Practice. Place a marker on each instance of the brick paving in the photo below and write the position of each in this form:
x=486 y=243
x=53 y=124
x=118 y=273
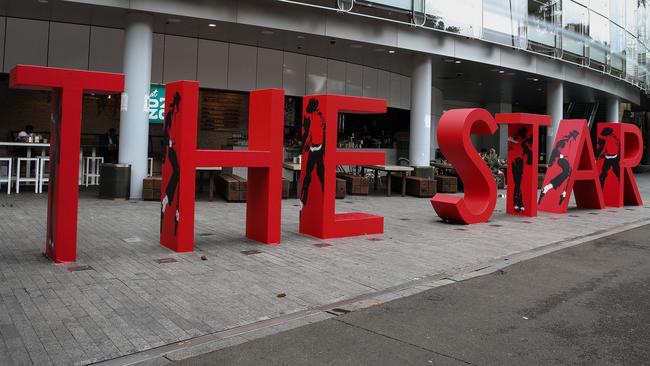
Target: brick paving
x=128 y=302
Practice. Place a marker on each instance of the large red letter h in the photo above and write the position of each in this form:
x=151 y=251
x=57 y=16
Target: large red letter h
x=264 y=160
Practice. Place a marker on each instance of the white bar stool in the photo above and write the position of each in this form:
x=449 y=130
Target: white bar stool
x=42 y=177
x=150 y=171
x=81 y=167
x=91 y=171
x=27 y=178
x=8 y=178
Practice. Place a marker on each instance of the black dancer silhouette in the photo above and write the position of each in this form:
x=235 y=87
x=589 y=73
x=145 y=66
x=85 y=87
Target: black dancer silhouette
x=608 y=150
x=559 y=155
x=55 y=157
x=169 y=152
x=313 y=138
x=519 y=146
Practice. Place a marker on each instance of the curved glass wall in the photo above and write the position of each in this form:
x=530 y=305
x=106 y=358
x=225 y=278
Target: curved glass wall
x=612 y=36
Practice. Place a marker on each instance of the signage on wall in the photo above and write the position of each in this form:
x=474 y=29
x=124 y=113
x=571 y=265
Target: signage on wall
x=156 y=104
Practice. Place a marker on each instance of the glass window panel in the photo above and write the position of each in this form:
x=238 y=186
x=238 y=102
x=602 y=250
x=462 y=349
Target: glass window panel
x=504 y=21
x=600 y=6
x=402 y=4
x=630 y=15
x=631 y=62
x=543 y=17
x=457 y=16
x=599 y=34
x=617 y=12
x=574 y=23
x=617 y=47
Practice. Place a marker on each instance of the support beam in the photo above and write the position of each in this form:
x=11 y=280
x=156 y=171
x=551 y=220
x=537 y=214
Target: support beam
x=134 y=118
x=555 y=109
x=613 y=109
x=420 y=135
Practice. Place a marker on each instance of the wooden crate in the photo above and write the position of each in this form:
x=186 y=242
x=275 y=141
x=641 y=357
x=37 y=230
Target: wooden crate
x=340 y=188
x=446 y=184
x=151 y=183
x=286 y=188
x=415 y=186
x=231 y=187
x=355 y=184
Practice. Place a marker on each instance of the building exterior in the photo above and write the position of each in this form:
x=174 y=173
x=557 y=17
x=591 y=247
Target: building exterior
x=567 y=58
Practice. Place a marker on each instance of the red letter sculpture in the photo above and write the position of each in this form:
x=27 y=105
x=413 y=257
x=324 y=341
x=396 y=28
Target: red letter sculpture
x=319 y=161
x=523 y=147
x=571 y=163
x=181 y=158
x=454 y=131
x=619 y=148
x=67 y=88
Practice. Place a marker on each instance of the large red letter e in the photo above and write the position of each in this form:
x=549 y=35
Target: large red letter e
x=454 y=131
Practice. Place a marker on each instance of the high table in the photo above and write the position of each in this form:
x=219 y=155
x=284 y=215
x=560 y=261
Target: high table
x=295 y=168
x=211 y=171
x=389 y=169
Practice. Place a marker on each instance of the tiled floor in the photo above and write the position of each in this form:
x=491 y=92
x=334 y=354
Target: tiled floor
x=129 y=302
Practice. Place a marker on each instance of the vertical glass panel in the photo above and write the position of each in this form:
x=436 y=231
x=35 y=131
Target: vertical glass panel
x=543 y=18
x=631 y=63
x=631 y=7
x=600 y=6
x=402 y=4
x=504 y=21
x=617 y=47
x=574 y=23
x=617 y=12
x=599 y=34
x=457 y=16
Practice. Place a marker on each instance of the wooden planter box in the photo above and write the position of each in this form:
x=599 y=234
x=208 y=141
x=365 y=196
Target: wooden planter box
x=355 y=184
x=446 y=184
x=231 y=187
x=151 y=188
x=340 y=188
x=415 y=186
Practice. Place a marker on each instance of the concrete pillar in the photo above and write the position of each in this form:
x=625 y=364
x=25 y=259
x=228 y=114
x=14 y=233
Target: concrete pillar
x=134 y=118
x=420 y=135
x=437 y=100
x=613 y=105
x=555 y=109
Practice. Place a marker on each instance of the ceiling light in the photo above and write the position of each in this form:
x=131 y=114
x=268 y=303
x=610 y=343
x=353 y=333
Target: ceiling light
x=379 y=50
x=300 y=37
x=535 y=79
x=511 y=74
x=494 y=70
x=212 y=25
x=109 y=96
x=267 y=32
x=458 y=61
x=356 y=45
x=501 y=72
x=43 y=1
x=391 y=51
x=173 y=20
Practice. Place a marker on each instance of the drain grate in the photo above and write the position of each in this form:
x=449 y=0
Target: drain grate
x=80 y=268
x=405 y=219
x=496 y=225
x=206 y=234
x=323 y=245
x=594 y=213
x=337 y=311
x=166 y=260
x=250 y=252
x=574 y=216
x=460 y=229
x=526 y=222
x=375 y=239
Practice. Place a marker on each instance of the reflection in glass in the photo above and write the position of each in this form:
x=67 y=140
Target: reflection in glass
x=543 y=18
x=457 y=16
x=504 y=21
x=599 y=33
x=574 y=23
x=617 y=48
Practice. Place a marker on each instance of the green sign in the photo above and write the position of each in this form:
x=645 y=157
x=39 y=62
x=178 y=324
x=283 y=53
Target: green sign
x=157 y=104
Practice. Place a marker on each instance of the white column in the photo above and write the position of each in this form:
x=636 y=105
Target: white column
x=613 y=105
x=134 y=118
x=420 y=135
x=437 y=100
x=555 y=109
x=500 y=141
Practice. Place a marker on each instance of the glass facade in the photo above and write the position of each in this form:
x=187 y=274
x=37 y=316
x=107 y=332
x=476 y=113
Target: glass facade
x=612 y=36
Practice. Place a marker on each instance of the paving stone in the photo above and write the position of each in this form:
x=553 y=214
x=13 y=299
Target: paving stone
x=128 y=302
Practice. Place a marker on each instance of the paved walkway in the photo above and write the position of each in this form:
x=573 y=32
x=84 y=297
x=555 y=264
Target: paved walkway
x=585 y=305
x=128 y=302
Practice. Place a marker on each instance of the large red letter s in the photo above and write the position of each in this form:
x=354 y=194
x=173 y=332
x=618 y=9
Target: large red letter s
x=454 y=131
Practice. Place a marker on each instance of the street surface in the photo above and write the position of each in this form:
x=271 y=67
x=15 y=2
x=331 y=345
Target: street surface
x=585 y=305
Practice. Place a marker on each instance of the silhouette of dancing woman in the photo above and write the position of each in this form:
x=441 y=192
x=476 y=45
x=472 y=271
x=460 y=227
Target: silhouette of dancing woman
x=519 y=146
x=313 y=138
x=169 y=152
x=559 y=155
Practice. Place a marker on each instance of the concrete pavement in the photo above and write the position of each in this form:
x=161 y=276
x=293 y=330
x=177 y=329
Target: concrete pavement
x=585 y=305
